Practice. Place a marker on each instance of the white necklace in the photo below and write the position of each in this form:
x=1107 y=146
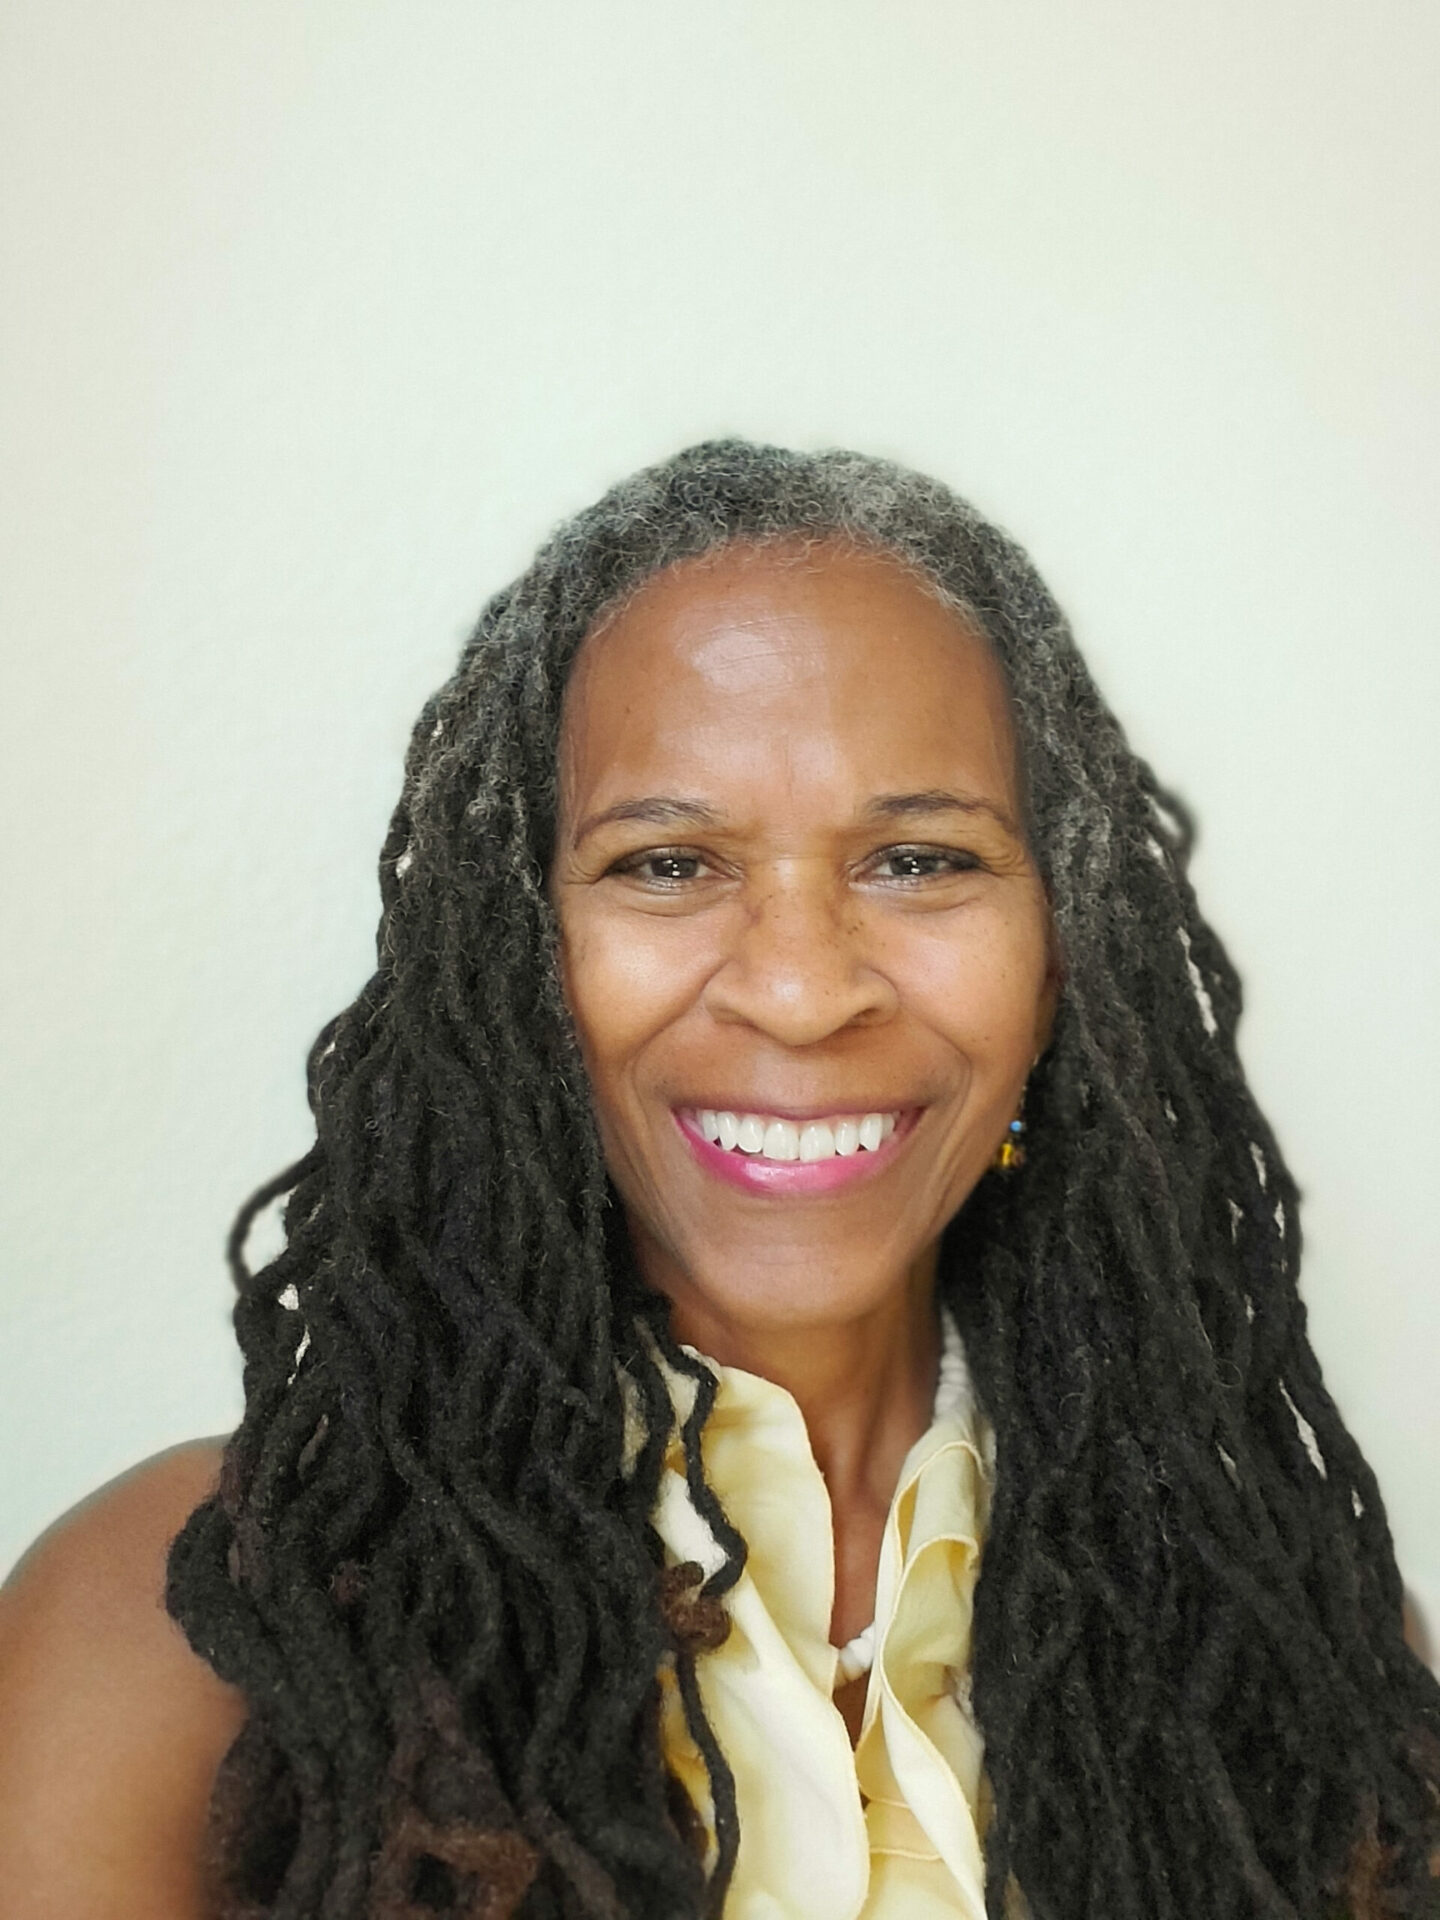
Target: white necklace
x=952 y=1394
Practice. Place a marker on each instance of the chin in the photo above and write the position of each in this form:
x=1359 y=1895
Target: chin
x=784 y=1298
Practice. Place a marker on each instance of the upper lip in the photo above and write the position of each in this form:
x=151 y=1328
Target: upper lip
x=780 y=1110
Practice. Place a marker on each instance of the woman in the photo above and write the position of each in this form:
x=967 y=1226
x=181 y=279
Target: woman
x=769 y=871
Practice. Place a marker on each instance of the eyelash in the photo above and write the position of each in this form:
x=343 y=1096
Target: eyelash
x=953 y=858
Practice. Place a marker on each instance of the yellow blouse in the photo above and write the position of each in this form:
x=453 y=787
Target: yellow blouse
x=891 y=1830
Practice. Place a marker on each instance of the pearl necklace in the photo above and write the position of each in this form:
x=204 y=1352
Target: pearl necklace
x=952 y=1394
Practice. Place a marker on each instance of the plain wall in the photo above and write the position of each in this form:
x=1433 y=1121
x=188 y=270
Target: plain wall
x=317 y=315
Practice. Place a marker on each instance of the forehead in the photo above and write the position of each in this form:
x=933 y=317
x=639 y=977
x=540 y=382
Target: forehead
x=813 y=668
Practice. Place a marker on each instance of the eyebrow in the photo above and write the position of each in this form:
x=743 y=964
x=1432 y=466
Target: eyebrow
x=904 y=806
x=671 y=810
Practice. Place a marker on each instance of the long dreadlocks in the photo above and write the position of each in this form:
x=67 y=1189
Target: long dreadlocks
x=430 y=1564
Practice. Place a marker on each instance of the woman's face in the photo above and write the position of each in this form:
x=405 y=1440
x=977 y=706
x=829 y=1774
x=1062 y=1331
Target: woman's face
x=793 y=893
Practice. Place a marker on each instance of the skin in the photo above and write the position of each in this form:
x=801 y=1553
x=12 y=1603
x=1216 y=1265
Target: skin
x=780 y=944
x=113 y=1729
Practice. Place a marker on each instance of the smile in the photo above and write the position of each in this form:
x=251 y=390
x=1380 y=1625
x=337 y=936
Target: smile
x=766 y=1153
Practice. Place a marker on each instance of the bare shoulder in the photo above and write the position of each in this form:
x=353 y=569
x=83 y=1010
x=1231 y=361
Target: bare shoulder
x=113 y=1727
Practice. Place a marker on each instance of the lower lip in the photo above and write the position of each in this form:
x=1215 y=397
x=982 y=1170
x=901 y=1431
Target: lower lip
x=755 y=1174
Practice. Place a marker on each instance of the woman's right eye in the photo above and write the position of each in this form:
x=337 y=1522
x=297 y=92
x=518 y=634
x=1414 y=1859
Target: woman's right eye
x=661 y=869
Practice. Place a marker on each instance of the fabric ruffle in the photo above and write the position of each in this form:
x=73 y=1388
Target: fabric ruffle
x=890 y=1831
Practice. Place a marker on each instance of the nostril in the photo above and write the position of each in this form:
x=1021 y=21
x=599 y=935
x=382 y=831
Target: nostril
x=798 y=1000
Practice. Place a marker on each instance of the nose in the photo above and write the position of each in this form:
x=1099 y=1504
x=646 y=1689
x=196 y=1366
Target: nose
x=796 y=965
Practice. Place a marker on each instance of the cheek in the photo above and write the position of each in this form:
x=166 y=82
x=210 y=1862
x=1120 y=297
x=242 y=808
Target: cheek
x=981 y=983
x=622 y=984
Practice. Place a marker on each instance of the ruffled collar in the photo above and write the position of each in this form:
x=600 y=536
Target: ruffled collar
x=891 y=1830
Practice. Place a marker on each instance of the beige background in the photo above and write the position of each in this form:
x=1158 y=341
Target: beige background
x=316 y=315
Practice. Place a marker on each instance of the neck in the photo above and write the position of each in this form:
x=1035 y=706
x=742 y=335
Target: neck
x=865 y=1386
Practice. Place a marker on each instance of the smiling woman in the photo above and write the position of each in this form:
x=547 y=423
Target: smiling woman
x=787 y=968
x=668 y=1325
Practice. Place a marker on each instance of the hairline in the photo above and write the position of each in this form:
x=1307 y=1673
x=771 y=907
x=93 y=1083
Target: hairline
x=795 y=546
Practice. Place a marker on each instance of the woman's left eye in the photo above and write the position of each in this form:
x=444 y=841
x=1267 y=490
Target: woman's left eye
x=925 y=863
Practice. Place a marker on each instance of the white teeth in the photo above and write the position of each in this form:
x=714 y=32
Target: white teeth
x=758 y=1133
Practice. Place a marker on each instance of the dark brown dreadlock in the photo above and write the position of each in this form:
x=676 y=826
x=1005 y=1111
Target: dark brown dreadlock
x=430 y=1564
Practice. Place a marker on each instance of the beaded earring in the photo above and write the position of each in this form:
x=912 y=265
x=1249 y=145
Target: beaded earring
x=1010 y=1154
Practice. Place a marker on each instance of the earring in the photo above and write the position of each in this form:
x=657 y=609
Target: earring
x=1010 y=1154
